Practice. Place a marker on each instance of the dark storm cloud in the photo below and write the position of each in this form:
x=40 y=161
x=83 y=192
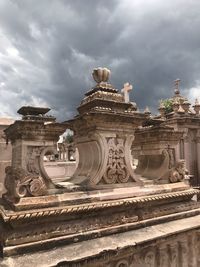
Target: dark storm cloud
x=49 y=48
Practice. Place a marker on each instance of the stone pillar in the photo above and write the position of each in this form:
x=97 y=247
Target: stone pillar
x=32 y=138
x=187 y=150
x=181 y=148
x=174 y=254
x=192 y=250
x=103 y=133
x=183 y=246
x=163 y=256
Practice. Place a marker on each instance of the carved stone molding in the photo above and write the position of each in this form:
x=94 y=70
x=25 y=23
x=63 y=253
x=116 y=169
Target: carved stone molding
x=116 y=170
x=175 y=251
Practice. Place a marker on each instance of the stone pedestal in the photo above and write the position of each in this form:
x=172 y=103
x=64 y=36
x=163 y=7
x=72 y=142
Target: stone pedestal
x=32 y=138
x=104 y=132
x=155 y=147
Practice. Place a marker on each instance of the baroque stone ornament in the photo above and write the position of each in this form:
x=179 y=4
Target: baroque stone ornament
x=122 y=263
x=19 y=183
x=178 y=173
x=101 y=75
x=32 y=137
x=116 y=171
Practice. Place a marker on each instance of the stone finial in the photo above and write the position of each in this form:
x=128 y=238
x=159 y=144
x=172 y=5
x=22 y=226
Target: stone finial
x=186 y=106
x=162 y=109
x=177 y=87
x=147 y=111
x=196 y=106
x=101 y=75
x=175 y=106
x=127 y=88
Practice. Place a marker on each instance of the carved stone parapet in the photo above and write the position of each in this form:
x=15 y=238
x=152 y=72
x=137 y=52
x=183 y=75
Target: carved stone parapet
x=31 y=140
x=104 y=159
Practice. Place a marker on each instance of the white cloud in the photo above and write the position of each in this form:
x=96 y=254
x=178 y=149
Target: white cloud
x=194 y=93
x=48 y=50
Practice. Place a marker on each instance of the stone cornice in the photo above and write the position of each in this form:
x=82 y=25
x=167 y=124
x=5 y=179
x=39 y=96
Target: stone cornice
x=88 y=207
x=31 y=130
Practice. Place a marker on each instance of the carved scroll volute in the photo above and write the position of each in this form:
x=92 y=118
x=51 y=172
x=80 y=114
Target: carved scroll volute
x=128 y=158
x=178 y=173
x=104 y=159
x=122 y=263
x=32 y=180
x=92 y=160
x=19 y=183
x=47 y=179
x=35 y=162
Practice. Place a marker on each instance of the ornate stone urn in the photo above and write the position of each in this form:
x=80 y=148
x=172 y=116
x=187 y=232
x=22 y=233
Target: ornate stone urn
x=104 y=131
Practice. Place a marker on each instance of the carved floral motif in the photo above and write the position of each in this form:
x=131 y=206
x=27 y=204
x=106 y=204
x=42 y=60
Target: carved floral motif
x=116 y=171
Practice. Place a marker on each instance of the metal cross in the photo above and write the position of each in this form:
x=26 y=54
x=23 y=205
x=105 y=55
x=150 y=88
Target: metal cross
x=127 y=88
x=176 y=85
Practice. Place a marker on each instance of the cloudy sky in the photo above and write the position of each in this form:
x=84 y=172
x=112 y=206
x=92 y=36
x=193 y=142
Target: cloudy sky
x=48 y=49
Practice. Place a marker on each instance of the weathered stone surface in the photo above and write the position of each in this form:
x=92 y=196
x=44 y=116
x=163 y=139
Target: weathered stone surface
x=31 y=138
x=104 y=147
x=184 y=119
x=107 y=214
x=169 y=244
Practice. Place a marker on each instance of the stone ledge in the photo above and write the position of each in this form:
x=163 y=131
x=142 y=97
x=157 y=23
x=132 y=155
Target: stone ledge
x=109 y=244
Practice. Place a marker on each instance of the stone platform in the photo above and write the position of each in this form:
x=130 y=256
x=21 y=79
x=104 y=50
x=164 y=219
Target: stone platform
x=169 y=243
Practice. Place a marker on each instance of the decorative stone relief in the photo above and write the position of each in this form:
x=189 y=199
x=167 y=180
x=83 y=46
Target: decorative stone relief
x=19 y=183
x=122 y=263
x=116 y=171
x=181 y=250
x=177 y=174
x=150 y=259
x=32 y=159
x=171 y=154
x=31 y=180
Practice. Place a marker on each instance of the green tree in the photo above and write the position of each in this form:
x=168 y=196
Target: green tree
x=167 y=103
